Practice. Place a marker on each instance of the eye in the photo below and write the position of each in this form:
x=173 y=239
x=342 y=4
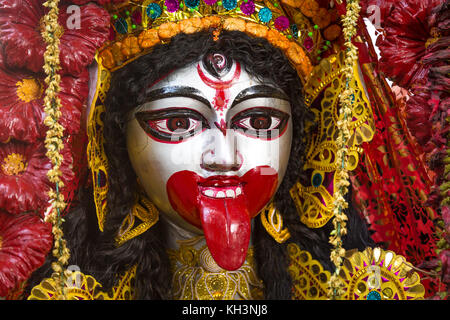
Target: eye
x=172 y=125
x=263 y=123
x=259 y=122
x=175 y=125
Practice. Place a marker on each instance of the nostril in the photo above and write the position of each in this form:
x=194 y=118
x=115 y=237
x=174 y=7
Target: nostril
x=219 y=167
x=211 y=163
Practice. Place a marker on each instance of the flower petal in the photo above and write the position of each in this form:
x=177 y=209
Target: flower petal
x=406 y=34
x=19 y=33
x=26 y=241
x=78 y=45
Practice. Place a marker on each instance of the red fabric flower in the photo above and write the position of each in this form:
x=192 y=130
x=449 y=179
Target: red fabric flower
x=21 y=104
x=20 y=34
x=406 y=37
x=24 y=184
x=377 y=10
x=24 y=242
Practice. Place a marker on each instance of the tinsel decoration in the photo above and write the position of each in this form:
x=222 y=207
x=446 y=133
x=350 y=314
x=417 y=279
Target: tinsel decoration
x=336 y=285
x=54 y=140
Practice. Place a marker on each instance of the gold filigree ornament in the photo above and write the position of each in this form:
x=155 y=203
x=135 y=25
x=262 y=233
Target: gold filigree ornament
x=314 y=199
x=196 y=276
x=79 y=286
x=310 y=281
x=272 y=221
x=142 y=217
x=376 y=274
x=97 y=160
x=76 y=287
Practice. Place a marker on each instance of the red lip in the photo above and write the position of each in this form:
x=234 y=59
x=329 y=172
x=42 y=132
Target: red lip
x=220 y=181
x=225 y=220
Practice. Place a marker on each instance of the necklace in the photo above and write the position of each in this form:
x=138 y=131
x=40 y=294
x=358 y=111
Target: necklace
x=196 y=276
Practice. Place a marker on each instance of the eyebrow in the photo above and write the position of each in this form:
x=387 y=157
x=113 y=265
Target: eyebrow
x=259 y=91
x=177 y=91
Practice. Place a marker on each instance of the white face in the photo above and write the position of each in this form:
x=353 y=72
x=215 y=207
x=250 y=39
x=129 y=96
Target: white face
x=210 y=147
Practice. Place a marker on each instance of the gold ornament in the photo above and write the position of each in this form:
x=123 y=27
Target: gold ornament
x=314 y=201
x=79 y=286
x=142 y=217
x=375 y=274
x=97 y=160
x=310 y=281
x=368 y=275
x=272 y=221
x=196 y=276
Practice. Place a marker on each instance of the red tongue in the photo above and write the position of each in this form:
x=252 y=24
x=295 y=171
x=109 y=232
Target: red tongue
x=226 y=225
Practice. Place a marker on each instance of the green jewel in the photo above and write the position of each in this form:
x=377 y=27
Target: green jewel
x=316 y=27
x=310 y=34
x=115 y=16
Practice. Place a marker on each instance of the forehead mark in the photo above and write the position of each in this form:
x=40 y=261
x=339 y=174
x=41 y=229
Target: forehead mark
x=221 y=98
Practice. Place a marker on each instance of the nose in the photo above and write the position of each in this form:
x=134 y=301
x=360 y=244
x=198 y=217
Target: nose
x=222 y=155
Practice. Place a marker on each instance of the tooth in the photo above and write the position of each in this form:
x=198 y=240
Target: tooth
x=220 y=194
x=238 y=191
x=230 y=193
x=209 y=193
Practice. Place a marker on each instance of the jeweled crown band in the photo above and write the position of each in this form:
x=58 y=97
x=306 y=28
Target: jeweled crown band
x=119 y=53
x=302 y=29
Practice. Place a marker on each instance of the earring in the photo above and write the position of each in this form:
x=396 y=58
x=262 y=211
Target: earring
x=273 y=223
x=143 y=216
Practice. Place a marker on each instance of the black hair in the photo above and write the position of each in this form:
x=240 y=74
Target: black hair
x=97 y=254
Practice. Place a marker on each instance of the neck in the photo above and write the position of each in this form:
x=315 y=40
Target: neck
x=197 y=276
x=176 y=236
